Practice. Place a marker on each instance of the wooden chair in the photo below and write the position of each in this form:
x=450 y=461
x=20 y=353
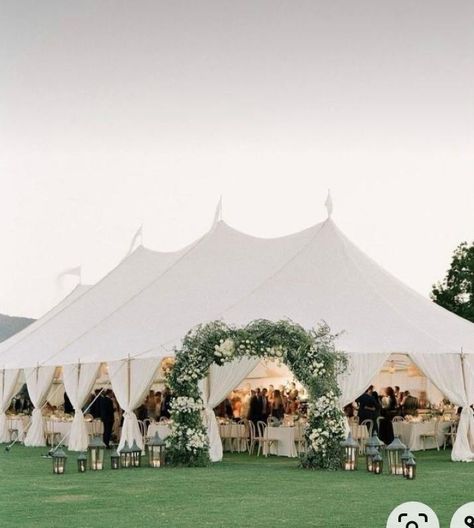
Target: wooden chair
x=450 y=434
x=252 y=436
x=13 y=432
x=300 y=440
x=53 y=437
x=264 y=442
x=143 y=429
x=431 y=434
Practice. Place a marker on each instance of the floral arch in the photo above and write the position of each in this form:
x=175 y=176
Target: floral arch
x=311 y=356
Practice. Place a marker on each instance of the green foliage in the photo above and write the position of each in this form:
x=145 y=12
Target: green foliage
x=456 y=291
x=312 y=357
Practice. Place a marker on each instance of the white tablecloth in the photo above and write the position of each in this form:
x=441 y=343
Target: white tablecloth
x=233 y=436
x=20 y=423
x=163 y=429
x=284 y=444
x=409 y=433
x=64 y=428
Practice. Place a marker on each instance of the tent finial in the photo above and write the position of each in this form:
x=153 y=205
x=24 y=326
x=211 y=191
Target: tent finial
x=218 y=213
x=328 y=203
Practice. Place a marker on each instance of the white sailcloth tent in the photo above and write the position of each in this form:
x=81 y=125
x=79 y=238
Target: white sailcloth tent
x=316 y=274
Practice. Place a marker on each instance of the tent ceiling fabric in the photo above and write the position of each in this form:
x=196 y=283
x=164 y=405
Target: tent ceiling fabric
x=146 y=304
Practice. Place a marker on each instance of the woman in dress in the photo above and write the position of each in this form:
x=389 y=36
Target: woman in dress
x=278 y=407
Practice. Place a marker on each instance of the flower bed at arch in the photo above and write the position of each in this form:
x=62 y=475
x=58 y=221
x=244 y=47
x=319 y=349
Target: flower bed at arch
x=311 y=356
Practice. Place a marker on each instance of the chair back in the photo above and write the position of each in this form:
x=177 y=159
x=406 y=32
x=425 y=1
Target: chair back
x=143 y=428
x=369 y=424
x=251 y=427
x=262 y=429
x=398 y=419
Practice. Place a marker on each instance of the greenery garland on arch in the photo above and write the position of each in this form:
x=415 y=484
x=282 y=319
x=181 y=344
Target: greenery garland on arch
x=311 y=356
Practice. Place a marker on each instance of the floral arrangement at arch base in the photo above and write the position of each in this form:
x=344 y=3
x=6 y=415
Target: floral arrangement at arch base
x=310 y=354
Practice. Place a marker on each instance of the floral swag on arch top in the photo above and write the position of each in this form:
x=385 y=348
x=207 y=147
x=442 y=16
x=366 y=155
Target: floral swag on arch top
x=311 y=356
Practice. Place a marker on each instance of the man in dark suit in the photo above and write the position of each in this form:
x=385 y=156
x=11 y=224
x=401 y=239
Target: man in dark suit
x=254 y=408
x=94 y=408
x=265 y=405
x=367 y=406
x=107 y=415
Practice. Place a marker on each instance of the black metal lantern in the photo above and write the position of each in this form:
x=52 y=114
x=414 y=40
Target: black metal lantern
x=407 y=454
x=351 y=451
x=59 y=462
x=377 y=464
x=410 y=469
x=81 y=462
x=395 y=451
x=114 y=460
x=126 y=456
x=136 y=455
x=370 y=453
x=156 y=451
x=96 y=454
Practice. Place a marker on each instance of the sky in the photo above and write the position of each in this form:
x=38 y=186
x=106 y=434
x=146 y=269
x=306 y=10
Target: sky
x=118 y=113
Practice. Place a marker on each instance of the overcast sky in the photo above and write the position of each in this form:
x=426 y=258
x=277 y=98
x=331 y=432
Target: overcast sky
x=115 y=113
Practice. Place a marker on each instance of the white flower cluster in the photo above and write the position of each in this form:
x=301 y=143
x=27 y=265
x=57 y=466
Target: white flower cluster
x=190 y=374
x=317 y=368
x=277 y=351
x=225 y=349
x=183 y=404
x=324 y=405
x=247 y=347
x=195 y=439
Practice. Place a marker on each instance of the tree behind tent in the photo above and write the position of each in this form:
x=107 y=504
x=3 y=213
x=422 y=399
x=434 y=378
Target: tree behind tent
x=456 y=291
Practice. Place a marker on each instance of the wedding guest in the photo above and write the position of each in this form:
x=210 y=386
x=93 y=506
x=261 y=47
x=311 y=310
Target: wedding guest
x=158 y=400
x=107 y=416
x=409 y=404
x=367 y=405
x=245 y=399
x=150 y=404
x=389 y=403
x=398 y=395
x=423 y=402
x=349 y=410
x=271 y=390
x=265 y=405
x=236 y=407
x=254 y=408
x=94 y=407
x=389 y=409
x=277 y=408
x=165 y=403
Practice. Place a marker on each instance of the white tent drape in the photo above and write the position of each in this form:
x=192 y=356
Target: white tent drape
x=38 y=381
x=361 y=368
x=79 y=381
x=8 y=381
x=446 y=372
x=131 y=379
x=220 y=382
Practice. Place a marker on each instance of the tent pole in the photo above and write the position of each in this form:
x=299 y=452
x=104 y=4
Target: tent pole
x=128 y=380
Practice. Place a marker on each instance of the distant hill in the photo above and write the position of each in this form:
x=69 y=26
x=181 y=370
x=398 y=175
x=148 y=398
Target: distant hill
x=11 y=325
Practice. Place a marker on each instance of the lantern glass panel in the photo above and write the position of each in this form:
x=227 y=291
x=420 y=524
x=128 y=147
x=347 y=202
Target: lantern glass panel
x=377 y=465
x=59 y=462
x=81 y=463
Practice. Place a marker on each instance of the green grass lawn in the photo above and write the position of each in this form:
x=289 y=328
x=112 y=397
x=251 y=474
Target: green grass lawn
x=242 y=491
